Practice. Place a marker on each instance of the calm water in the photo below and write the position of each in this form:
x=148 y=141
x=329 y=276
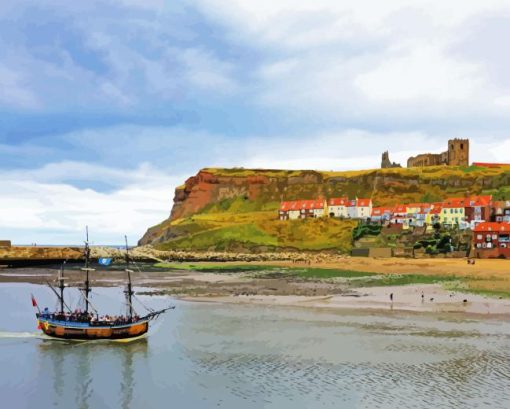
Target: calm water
x=207 y=356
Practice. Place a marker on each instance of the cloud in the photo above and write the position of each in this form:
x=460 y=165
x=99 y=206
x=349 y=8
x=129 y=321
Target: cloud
x=424 y=73
x=367 y=60
x=35 y=200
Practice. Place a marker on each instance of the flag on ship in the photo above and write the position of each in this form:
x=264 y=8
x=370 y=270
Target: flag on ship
x=34 y=302
x=105 y=261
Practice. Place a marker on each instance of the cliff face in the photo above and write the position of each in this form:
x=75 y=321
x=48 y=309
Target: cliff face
x=230 y=193
x=207 y=188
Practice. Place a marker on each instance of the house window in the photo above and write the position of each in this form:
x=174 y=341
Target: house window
x=479 y=237
x=489 y=245
x=478 y=245
x=494 y=237
x=488 y=237
x=503 y=245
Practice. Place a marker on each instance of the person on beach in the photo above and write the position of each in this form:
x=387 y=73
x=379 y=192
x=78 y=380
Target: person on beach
x=391 y=297
x=422 y=297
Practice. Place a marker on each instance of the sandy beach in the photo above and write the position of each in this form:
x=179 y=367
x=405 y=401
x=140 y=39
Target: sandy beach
x=280 y=288
x=405 y=298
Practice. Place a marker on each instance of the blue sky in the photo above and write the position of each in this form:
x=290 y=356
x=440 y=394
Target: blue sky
x=106 y=106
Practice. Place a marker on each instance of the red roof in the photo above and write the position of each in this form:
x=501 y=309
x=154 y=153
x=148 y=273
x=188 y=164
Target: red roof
x=364 y=202
x=479 y=201
x=338 y=201
x=436 y=210
x=490 y=165
x=470 y=201
x=302 y=204
x=491 y=226
x=378 y=211
x=400 y=209
x=454 y=202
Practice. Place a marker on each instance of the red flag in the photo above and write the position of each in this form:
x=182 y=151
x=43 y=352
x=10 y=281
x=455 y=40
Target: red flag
x=34 y=302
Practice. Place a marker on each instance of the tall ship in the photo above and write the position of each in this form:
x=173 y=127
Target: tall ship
x=89 y=324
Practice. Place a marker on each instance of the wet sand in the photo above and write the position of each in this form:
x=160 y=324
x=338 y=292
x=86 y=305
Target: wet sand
x=248 y=288
x=405 y=298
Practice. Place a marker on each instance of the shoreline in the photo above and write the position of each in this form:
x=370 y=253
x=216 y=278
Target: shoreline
x=406 y=298
x=445 y=283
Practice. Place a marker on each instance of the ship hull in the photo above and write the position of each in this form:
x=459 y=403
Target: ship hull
x=85 y=331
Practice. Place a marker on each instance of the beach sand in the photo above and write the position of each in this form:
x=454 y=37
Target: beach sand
x=239 y=287
x=405 y=298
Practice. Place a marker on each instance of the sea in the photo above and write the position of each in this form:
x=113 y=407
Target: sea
x=208 y=355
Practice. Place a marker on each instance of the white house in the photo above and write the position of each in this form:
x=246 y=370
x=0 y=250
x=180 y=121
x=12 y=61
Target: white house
x=363 y=208
x=337 y=207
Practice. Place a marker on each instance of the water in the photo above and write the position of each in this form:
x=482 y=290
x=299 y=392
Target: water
x=206 y=356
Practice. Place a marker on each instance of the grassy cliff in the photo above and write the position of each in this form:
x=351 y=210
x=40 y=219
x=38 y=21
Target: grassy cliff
x=236 y=209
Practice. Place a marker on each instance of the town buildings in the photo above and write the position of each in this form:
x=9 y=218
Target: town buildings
x=341 y=207
x=337 y=207
x=302 y=209
x=502 y=211
x=363 y=209
x=381 y=214
x=492 y=240
x=489 y=220
x=457 y=212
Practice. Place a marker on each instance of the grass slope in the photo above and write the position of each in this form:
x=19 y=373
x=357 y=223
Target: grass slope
x=237 y=223
x=252 y=230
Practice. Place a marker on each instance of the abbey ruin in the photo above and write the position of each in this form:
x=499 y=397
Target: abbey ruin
x=456 y=155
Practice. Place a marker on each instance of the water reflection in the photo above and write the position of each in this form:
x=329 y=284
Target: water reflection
x=204 y=356
x=82 y=372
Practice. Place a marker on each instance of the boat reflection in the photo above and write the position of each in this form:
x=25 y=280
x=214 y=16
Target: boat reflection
x=81 y=371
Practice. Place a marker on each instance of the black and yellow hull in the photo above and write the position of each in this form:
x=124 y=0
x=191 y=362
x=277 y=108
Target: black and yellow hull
x=85 y=331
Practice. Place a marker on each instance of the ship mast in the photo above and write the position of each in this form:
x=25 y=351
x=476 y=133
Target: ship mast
x=62 y=286
x=87 y=270
x=129 y=291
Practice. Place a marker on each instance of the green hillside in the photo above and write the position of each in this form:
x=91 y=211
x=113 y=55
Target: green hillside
x=237 y=209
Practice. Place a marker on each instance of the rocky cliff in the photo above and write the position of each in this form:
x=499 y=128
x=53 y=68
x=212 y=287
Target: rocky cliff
x=234 y=204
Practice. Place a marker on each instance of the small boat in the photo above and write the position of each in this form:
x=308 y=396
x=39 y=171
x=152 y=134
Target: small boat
x=88 y=324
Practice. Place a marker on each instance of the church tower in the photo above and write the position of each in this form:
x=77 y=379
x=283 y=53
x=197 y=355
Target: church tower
x=458 y=152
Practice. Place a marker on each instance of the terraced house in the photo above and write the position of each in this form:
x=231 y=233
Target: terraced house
x=302 y=209
x=501 y=211
x=340 y=207
x=381 y=214
x=492 y=240
x=452 y=213
x=337 y=207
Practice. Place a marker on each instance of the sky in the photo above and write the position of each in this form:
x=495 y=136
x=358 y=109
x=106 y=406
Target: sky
x=106 y=106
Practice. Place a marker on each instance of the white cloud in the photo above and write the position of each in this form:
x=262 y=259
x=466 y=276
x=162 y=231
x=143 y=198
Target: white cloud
x=423 y=73
x=345 y=60
x=35 y=200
